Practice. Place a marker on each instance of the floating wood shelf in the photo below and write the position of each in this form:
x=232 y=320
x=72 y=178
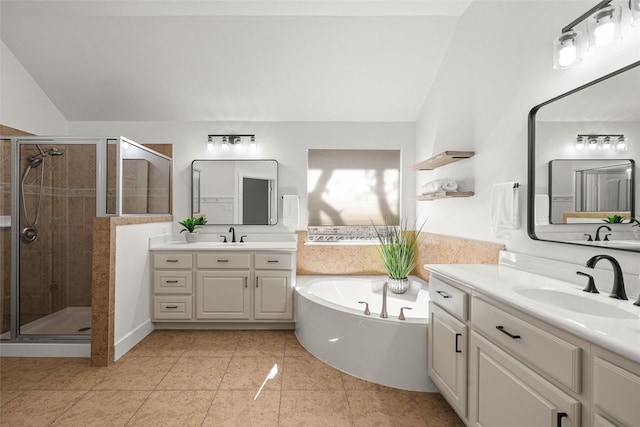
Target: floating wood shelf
x=442 y=159
x=443 y=195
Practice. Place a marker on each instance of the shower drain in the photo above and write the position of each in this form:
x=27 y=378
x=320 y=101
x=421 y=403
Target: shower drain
x=86 y=328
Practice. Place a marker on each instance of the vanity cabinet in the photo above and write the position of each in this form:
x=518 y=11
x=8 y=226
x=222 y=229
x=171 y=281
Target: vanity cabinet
x=218 y=286
x=447 y=342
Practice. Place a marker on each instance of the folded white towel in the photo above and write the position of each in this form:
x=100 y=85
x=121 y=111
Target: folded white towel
x=541 y=207
x=438 y=185
x=505 y=216
x=290 y=209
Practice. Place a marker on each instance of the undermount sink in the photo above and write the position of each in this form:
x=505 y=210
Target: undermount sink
x=576 y=303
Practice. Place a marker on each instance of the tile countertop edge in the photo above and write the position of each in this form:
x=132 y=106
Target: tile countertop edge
x=492 y=280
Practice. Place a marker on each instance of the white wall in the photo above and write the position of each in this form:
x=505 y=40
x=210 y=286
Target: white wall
x=133 y=282
x=23 y=105
x=285 y=142
x=498 y=66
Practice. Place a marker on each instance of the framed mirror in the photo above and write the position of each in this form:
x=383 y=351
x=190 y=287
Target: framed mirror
x=235 y=192
x=584 y=148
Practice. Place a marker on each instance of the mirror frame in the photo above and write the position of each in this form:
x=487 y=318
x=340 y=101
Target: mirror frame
x=531 y=163
x=275 y=196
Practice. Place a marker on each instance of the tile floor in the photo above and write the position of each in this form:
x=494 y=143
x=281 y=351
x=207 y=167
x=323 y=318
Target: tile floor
x=207 y=378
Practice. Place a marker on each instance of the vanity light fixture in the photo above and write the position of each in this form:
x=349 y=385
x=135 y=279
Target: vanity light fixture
x=236 y=142
x=601 y=142
x=603 y=29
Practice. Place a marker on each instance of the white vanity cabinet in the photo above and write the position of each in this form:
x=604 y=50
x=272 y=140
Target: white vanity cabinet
x=447 y=342
x=223 y=286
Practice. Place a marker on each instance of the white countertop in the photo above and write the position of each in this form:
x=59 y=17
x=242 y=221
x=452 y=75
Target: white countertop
x=212 y=242
x=502 y=283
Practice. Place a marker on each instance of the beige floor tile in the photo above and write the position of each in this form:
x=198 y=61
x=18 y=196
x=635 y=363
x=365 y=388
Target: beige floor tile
x=309 y=373
x=174 y=408
x=8 y=395
x=248 y=373
x=38 y=407
x=435 y=409
x=24 y=373
x=384 y=408
x=138 y=373
x=353 y=383
x=293 y=348
x=164 y=343
x=76 y=374
x=195 y=373
x=238 y=408
x=103 y=408
x=214 y=344
x=261 y=343
x=314 y=408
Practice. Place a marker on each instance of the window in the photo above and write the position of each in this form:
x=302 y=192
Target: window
x=348 y=191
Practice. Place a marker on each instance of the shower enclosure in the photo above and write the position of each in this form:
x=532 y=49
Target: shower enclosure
x=57 y=186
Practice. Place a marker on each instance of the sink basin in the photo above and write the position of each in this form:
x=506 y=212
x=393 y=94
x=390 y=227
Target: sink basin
x=576 y=303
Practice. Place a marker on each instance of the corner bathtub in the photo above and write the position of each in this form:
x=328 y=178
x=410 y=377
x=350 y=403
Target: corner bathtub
x=332 y=326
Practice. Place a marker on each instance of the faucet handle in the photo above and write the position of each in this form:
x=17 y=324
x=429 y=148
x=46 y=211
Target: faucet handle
x=242 y=238
x=401 y=316
x=591 y=285
x=366 y=307
x=589 y=237
x=225 y=238
x=606 y=237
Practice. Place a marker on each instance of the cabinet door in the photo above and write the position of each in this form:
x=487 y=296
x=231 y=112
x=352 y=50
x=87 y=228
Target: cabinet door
x=222 y=295
x=507 y=393
x=273 y=298
x=447 y=360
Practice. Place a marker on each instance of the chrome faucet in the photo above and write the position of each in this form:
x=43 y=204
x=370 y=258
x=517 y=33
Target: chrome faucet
x=233 y=234
x=618 y=280
x=606 y=237
x=383 y=312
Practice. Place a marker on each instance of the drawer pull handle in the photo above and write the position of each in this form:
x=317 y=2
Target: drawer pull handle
x=561 y=415
x=504 y=331
x=257 y=278
x=245 y=283
x=172 y=260
x=444 y=294
x=172 y=281
x=171 y=306
x=457 y=349
x=273 y=260
x=223 y=260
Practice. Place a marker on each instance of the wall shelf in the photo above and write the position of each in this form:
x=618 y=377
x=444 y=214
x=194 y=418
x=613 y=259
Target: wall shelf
x=443 y=195
x=442 y=159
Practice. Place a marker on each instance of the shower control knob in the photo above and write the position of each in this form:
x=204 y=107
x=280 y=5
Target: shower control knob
x=29 y=234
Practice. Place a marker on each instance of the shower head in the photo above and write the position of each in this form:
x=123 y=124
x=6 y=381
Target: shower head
x=54 y=152
x=35 y=161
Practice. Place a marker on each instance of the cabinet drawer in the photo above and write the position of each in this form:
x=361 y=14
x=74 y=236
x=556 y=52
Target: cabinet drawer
x=172 y=308
x=451 y=299
x=172 y=282
x=223 y=260
x=556 y=357
x=172 y=260
x=611 y=384
x=273 y=261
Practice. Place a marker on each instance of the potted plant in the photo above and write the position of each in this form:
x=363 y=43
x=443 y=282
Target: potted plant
x=615 y=219
x=190 y=225
x=398 y=251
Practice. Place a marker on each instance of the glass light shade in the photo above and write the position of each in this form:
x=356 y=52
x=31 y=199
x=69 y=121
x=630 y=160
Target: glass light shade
x=634 y=5
x=210 y=144
x=593 y=144
x=606 y=143
x=579 y=143
x=603 y=27
x=253 y=146
x=237 y=143
x=567 y=50
x=621 y=145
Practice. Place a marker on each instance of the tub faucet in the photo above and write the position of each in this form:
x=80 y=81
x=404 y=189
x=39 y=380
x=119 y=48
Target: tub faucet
x=606 y=237
x=618 y=280
x=383 y=312
x=233 y=234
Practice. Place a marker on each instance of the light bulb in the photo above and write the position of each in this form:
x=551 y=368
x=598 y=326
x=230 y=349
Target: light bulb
x=604 y=34
x=252 y=144
x=604 y=26
x=593 y=144
x=566 y=50
x=567 y=55
x=606 y=143
x=622 y=144
x=580 y=143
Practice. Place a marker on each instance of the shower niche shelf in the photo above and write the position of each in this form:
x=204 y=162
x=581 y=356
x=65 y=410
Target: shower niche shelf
x=442 y=159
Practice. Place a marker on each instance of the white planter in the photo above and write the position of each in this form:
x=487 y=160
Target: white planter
x=191 y=237
x=398 y=286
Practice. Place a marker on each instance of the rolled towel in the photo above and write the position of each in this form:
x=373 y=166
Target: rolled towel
x=438 y=185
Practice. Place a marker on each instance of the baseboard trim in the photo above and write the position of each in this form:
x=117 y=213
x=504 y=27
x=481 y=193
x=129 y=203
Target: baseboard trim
x=20 y=349
x=131 y=339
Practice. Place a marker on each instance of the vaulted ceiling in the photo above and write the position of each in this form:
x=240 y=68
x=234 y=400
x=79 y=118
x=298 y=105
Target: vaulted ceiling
x=204 y=60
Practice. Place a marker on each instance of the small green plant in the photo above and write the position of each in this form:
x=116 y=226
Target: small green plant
x=635 y=222
x=398 y=248
x=190 y=224
x=615 y=219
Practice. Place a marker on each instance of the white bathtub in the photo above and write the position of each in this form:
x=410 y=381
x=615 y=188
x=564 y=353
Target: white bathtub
x=331 y=325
